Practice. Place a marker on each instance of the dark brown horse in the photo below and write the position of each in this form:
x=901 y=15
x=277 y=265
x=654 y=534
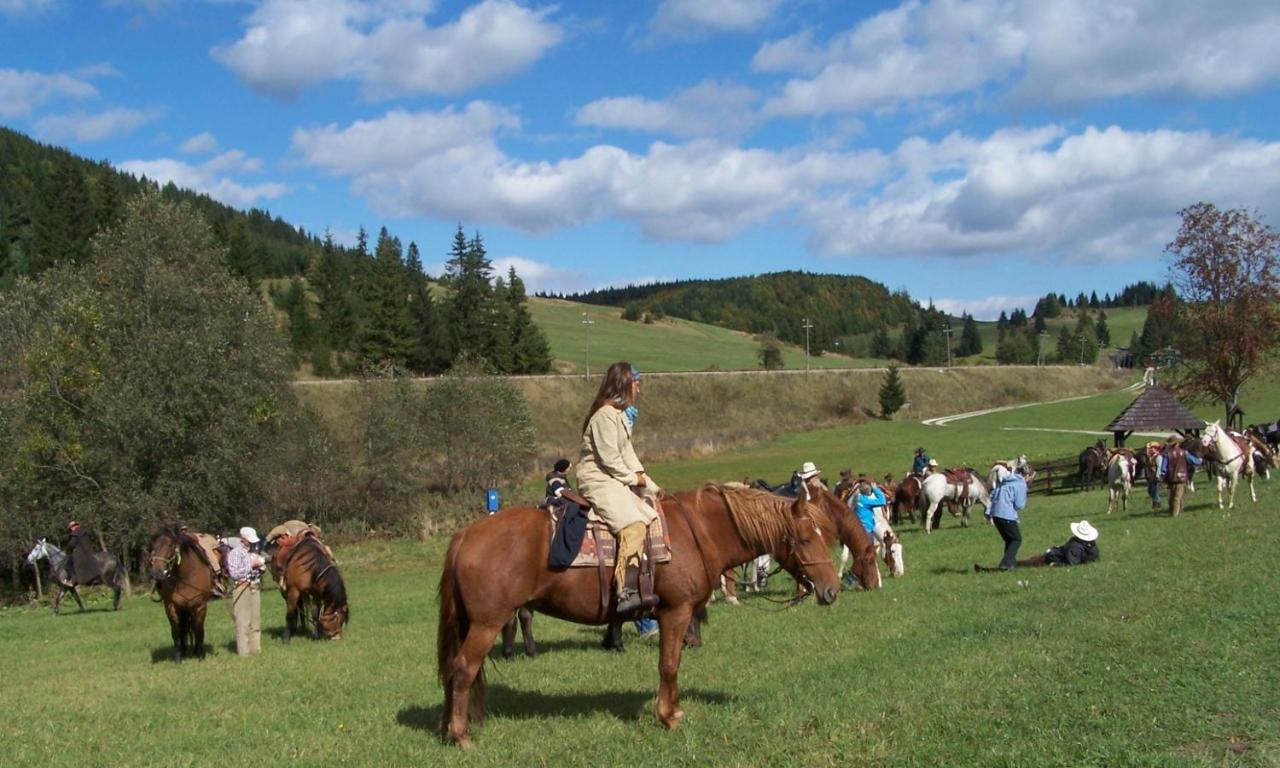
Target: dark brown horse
x=1093 y=464
x=499 y=563
x=906 y=499
x=183 y=576
x=311 y=578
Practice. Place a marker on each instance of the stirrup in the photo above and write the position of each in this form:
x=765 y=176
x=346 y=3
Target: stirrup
x=628 y=600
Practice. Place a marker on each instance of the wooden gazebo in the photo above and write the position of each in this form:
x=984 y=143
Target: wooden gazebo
x=1155 y=409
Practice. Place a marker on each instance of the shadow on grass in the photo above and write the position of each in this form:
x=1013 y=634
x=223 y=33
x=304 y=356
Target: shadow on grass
x=939 y=570
x=518 y=704
x=165 y=653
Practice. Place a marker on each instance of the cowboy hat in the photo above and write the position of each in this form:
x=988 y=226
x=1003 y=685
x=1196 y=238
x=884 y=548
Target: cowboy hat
x=1083 y=531
x=248 y=534
x=933 y=462
x=73 y=525
x=919 y=450
x=808 y=470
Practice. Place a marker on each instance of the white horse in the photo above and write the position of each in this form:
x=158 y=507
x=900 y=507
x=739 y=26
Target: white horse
x=936 y=488
x=1119 y=481
x=888 y=547
x=1230 y=461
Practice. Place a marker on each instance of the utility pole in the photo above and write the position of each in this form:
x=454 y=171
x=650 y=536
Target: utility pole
x=587 y=323
x=1082 y=349
x=807 y=326
x=1040 y=349
x=946 y=329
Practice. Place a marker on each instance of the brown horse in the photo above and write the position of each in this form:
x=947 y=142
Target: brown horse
x=311 y=577
x=498 y=563
x=184 y=578
x=906 y=499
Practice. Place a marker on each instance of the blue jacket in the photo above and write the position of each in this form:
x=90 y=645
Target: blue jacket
x=864 y=506
x=1009 y=498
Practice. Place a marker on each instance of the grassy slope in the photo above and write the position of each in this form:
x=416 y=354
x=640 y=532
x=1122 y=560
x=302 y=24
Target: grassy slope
x=1163 y=654
x=1121 y=322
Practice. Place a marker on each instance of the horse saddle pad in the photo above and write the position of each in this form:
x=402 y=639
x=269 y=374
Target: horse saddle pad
x=657 y=544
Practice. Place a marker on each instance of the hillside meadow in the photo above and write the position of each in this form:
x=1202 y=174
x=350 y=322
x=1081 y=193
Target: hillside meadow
x=1162 y=654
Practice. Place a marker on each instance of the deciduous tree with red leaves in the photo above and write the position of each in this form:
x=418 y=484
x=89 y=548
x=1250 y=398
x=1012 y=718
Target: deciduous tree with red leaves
x=1226 y=267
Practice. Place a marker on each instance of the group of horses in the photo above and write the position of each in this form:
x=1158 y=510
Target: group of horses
x=187 y=575
x=1226 y=457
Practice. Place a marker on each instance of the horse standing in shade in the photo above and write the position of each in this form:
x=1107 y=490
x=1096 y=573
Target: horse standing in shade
x=939 y=487
x=1230 y=461
x=1119 y=480
x=184 y=577
x=499 y=563
x=107 y=572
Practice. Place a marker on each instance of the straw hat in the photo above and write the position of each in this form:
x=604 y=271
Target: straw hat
x=1083 y=531
x=808 y=470
x=248 y=534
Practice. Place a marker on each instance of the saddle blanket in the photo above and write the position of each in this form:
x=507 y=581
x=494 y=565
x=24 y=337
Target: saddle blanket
x=658 y=543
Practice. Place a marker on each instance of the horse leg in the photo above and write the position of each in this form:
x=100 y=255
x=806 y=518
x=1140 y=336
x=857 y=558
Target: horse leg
x=291 y=613
x=57 y=600
x=313 y=610
x=509 y=637
x=672 y=624
x=730 y=581
x=844 y=562
x=197 y=629
x=928 y=514
x=76 y=594
x=175 y=630
x=526 y=631
x=613 y=637
x=463 y=670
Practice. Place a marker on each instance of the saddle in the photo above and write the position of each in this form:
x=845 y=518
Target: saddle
x=961 y=478
x=599 y=547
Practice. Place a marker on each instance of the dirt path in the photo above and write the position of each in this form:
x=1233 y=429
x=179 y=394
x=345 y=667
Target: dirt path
x=942 y=421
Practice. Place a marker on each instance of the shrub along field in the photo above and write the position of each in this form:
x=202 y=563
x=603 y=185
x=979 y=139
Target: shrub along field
x=1162 y=654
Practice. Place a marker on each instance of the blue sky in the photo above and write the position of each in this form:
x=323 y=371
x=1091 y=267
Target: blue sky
x=977 y=154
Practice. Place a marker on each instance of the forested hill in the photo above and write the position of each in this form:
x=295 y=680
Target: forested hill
x=778 y=303
x=52 y=202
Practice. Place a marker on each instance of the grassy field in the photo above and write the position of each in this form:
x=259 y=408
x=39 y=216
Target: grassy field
x=1163 y=654
x=671 y=344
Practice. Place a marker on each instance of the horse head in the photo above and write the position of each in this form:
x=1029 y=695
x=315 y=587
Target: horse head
x=804 y=553
x=852 y=535
x=41 y=549
x=164 y=554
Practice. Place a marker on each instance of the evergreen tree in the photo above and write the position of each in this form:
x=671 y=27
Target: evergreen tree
x=531 y=352
x=1066 y=340
x=970 y=340
x=1101 y=330
x=331 y=281
x=471 y=315
x=387 y=335
x=770 y=353
x=1014 y=350
x=500 y=354
x=1093 y=300
x=880 y=344
x=430 y=352
x=893 y=395
x=1002 y=325
x=302 y=329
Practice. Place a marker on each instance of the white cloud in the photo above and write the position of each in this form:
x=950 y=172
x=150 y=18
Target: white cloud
x=987 y=307
x=211 y=177
x=200 y=144
x=81 y=126
x=449 y=165
x=1098 y=195
x=22 y=91
x=707 y=109
x=1035 y=51
x=692 y=19
x=538 y=276
x=387 y=46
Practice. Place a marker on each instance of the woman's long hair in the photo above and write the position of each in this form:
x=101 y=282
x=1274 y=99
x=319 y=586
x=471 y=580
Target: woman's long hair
x=614 y=390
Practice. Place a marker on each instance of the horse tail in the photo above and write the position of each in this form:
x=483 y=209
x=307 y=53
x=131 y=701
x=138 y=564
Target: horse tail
x=454 y=621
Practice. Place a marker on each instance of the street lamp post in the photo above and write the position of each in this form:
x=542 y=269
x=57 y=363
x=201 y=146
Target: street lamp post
x=946 y=329
x=587 y=323
x=807 y=325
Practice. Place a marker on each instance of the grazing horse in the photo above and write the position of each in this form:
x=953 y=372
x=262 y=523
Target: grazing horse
x=856 y=542
x=938 y=487
x=1093 y=464
x=310 y=577
x=184 y=577
x=499 y=563
x=107 y=568
x=1230 y=461
x=1119 y=480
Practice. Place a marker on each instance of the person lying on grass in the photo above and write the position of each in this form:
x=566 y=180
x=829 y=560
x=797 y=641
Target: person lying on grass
x=1081 y=548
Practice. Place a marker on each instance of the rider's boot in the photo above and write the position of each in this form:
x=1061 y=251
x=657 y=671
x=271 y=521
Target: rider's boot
x=629 y=595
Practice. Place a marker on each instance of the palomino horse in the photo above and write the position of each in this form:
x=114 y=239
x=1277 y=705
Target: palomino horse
x=938 y=487
x=184 y=578
x=108 y=571
x=1119 y=480
x=1230 y=461
x=1093 y=464
x=499 y=563
x=310 y=576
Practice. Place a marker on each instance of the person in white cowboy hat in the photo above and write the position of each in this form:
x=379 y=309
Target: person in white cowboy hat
x=1081 y=548
x=245 y=568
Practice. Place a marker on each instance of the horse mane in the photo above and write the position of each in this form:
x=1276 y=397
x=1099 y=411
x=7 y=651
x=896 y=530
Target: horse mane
x=332 y=590
x=762 y=519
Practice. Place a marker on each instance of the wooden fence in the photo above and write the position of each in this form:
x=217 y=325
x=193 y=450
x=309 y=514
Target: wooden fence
x=1054 y=475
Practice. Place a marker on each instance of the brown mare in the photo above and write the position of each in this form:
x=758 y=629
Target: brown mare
x=499 y=563
x=905 y=499
x=311 y=577
x=183 y=576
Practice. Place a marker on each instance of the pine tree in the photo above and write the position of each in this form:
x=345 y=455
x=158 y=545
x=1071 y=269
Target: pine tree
x=500 y=352
x=1101 y=330
x=387 y=335
x=970 y=340
x=429 y=352
x=531 y=351
x=331 y=281
x=893 y=395
x=880 y=344
x=471 y=310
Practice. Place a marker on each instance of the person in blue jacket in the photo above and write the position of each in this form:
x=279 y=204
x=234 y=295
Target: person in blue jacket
x=1007 y=500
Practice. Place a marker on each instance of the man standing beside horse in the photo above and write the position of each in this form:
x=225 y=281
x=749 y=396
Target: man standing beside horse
x=1176 y=473
x=245 y=568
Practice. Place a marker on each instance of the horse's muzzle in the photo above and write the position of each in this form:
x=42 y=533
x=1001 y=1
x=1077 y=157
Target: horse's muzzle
x=828 y=595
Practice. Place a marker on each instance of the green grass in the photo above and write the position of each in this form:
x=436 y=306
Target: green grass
x=1163 y=654
x=1121 y=322
x=670 y=344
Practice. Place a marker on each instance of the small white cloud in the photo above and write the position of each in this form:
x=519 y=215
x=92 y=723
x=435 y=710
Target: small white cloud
x=694 y=19
x=709 y=108
x=538 y=276
x=387 y=46
x=200 y=144
x=210 y=177
x=20 y=8
x=96 y=127
x=22 y=91
x=986 y=308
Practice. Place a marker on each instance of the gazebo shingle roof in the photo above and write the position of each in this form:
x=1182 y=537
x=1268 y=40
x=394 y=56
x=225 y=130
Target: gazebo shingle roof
x=1155 y=409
